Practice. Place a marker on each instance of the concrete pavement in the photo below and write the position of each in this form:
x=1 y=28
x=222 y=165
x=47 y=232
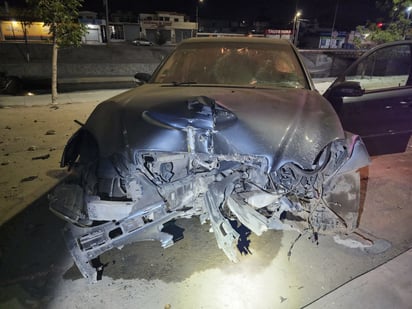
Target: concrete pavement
x=386 y=286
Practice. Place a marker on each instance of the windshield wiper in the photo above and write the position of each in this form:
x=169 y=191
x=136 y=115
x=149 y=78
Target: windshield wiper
x=184 y=83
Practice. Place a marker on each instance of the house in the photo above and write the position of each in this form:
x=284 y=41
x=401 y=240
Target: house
x=170 y=27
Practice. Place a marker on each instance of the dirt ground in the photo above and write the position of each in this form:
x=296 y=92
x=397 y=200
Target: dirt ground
x=36 y=271
x=31 y=143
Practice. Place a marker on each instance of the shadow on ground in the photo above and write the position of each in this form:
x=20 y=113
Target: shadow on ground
x=32 y=255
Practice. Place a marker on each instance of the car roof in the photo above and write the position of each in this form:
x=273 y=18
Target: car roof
x=241 y=40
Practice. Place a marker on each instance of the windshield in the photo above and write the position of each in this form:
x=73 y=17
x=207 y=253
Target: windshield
x=256 y=65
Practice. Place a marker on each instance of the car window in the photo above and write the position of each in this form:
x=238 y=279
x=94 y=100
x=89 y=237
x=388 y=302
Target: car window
x=256 y=66
x=386 y=68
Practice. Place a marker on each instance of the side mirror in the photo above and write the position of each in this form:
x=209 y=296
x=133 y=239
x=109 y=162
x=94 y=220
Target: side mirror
x=141 y=78
x=346 y=89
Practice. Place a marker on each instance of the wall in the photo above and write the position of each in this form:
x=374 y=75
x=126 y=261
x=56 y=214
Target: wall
x=86 y=61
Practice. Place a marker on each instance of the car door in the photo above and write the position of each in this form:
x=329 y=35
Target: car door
x=373 y=98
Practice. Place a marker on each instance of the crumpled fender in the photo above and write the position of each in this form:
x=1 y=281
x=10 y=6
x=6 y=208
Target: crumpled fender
x=358 y=155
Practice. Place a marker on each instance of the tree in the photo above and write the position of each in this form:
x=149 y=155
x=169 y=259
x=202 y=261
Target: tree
x=396 y=27
x=62 y=18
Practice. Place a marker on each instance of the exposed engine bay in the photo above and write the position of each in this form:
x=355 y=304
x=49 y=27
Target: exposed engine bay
x=114 y=201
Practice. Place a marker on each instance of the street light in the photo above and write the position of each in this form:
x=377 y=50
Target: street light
x=296 y=22
x=408 y=14
x=197 y=13
x=408 y=11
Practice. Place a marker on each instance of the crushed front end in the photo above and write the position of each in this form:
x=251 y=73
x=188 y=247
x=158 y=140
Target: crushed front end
x=129 y=196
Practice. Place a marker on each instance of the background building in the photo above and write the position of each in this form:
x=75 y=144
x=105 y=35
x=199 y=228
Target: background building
x=170 y=27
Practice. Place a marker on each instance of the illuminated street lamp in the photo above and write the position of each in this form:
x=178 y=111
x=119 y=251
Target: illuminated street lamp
x=408 y=14
x=408 y=11
x=197 y=12
x=296 y=22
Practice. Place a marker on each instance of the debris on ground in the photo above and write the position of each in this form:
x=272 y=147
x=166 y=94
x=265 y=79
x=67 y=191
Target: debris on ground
x=51 y=132
x=30 y=178
x=44 y=157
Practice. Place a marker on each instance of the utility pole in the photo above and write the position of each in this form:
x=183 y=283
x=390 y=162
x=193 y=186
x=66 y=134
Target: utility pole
x=296 y=25
x=333 y=24
x=197 y=13
x=106 y=4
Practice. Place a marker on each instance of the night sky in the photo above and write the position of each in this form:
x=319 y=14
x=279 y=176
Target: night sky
x=350 y=13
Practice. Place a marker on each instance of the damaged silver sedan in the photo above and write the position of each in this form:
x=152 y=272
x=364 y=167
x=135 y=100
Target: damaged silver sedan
x=226 y=129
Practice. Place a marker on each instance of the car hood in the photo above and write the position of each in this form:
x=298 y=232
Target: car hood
x=284 y=124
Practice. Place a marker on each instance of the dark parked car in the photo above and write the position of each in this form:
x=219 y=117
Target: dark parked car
x=227 y=129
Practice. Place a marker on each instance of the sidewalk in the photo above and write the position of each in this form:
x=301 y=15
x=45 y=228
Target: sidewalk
x=387 y=286
x=321 y=85
x=67 y=97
